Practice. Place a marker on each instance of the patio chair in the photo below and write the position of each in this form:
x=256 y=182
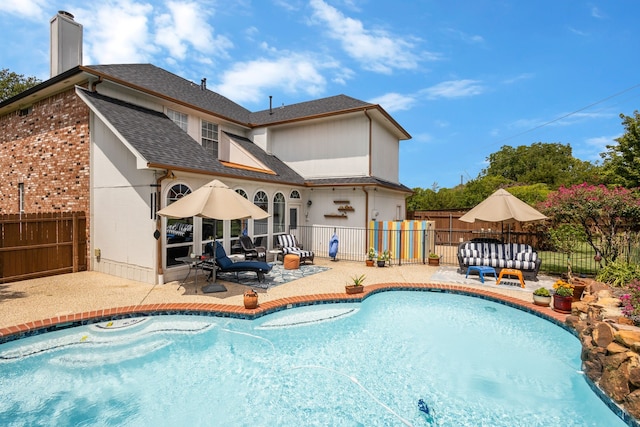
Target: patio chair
x=223 y=264
x=289 y=245
x=251 y=251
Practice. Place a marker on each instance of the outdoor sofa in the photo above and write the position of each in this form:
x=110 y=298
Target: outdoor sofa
x=493 y=253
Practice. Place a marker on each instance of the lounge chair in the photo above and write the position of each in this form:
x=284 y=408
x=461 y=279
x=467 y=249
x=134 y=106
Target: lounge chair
x=223 y=264
x=251 y=251
x=289 y=245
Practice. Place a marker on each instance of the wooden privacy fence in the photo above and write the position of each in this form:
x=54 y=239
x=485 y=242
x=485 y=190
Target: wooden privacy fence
x=42 y=244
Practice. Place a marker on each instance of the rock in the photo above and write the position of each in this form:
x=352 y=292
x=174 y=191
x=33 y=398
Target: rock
x=602 y=334
x=634 y=376
x=632 y=404
x=614 y=348
x=580 y=306
x=609 y=302
x=627 y=338
x=615 y=377
x=598 y=287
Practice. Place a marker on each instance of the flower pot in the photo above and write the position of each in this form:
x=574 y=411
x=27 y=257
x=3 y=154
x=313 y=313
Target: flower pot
x=542 y=300
x=578 y=289
x=250 y=299
x=380 y=263
x=369 y=263
x=562 y=304
x=354 y=289
x=434 y=261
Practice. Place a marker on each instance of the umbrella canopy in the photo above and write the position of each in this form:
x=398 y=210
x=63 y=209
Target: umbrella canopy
x=214 y=200
x=502 y=206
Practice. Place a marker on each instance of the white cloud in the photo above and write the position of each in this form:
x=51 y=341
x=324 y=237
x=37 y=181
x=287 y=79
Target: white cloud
x=186 y=24
x=454 y=89
x=117 y=32
x=375 y=50
x=30 y=9
x=523 y=76
x=595 y=12
x=296 y=73
x=392 y=102
x=467 y=38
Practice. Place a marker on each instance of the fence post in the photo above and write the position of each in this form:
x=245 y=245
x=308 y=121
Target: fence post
x=75 y=241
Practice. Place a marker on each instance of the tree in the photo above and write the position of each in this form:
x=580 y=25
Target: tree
x=622 y=160
x=599 y=211
x=12 y=84
x=541 y=163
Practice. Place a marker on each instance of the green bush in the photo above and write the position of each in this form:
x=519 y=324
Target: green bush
x=619 y=273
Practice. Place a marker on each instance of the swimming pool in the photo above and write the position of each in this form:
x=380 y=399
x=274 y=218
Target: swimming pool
x=471 y=361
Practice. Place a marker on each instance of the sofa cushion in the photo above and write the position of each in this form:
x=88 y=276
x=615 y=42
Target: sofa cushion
x=526 y=256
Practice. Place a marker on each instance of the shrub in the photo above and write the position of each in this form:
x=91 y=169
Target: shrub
x=618 y=273
x=631 y=300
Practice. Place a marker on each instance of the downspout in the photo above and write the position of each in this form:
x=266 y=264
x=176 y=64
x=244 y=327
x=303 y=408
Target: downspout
x=159 y=227
x=370 y=140
x=366 y=218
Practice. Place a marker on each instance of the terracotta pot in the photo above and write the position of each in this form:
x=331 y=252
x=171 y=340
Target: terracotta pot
x=354 y=289
x=542 y=300
x=578 y=289
x=434 y=261
x=369 y=263
x=250 y=299
x=562 y=304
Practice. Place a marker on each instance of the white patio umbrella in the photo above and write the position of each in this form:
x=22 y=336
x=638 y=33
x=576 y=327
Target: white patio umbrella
x=214 y=200
x=502 y=206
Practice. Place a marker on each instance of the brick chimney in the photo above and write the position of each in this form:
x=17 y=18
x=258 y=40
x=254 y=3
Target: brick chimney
x=66 y=43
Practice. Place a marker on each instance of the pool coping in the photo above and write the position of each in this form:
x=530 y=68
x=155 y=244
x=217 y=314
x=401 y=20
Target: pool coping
x=236 y=311
x=37 y=327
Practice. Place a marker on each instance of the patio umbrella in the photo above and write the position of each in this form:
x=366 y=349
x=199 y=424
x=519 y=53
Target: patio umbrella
x=502 y=206
x=214 y=200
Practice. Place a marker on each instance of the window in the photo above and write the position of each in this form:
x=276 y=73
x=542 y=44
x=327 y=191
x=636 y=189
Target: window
x=21 y=197
x=210 y=137
x=260 y=226
x=178 y=118
x=278 y=213
x=179 y=230
x=238 y=226
x=294 y=194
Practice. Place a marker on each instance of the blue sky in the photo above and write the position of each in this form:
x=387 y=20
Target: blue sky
x=463 y=78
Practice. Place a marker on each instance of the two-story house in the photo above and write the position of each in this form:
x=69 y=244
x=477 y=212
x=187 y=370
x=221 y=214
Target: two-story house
x=120 y=142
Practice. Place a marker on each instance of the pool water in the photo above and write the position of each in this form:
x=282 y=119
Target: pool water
x=472 y=362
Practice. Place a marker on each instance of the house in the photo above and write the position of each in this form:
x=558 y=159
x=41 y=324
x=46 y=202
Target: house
x=120 y=142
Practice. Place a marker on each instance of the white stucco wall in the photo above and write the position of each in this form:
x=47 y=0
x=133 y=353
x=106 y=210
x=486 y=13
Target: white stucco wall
x=325 y=148
x=122 y=227
x=384 y=154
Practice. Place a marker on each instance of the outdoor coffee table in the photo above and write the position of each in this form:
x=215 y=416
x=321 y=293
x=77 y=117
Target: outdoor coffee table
x=511 y=272
x=482 y=270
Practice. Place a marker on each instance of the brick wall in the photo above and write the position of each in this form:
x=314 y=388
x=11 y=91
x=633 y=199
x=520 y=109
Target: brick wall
x=48 y=151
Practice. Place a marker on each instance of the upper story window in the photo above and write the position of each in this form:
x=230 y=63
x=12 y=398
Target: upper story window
x=178 y=118
x=210 y=137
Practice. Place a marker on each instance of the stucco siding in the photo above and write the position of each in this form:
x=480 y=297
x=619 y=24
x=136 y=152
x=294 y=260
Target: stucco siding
x=384 y=154
x=328 y=148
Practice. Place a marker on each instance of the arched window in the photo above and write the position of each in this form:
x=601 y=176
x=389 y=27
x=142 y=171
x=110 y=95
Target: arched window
x=278 y=213
x=238 y=226
x=260 y=226
x=295 y=194
x=179 y=231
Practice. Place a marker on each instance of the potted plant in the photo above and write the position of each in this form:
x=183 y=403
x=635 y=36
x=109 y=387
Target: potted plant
x=563 y=296
x=371 y=255
x=434 y=259
x=383 y=257
x=356 y=286
x=542 y=296
x=250 y=299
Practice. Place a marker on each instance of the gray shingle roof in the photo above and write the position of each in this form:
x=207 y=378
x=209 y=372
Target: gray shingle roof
x=161 y=142
x=359 y=181
x=163 y=82
x=306 y=109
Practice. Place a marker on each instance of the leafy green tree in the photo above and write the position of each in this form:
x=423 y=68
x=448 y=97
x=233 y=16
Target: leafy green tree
x=622 y=160
x=476 y=190
x=12 y=83
x=541 y=163
x=601 y=212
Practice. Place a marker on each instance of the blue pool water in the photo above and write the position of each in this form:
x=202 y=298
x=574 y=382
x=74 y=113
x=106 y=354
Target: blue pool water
x=385 y=362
